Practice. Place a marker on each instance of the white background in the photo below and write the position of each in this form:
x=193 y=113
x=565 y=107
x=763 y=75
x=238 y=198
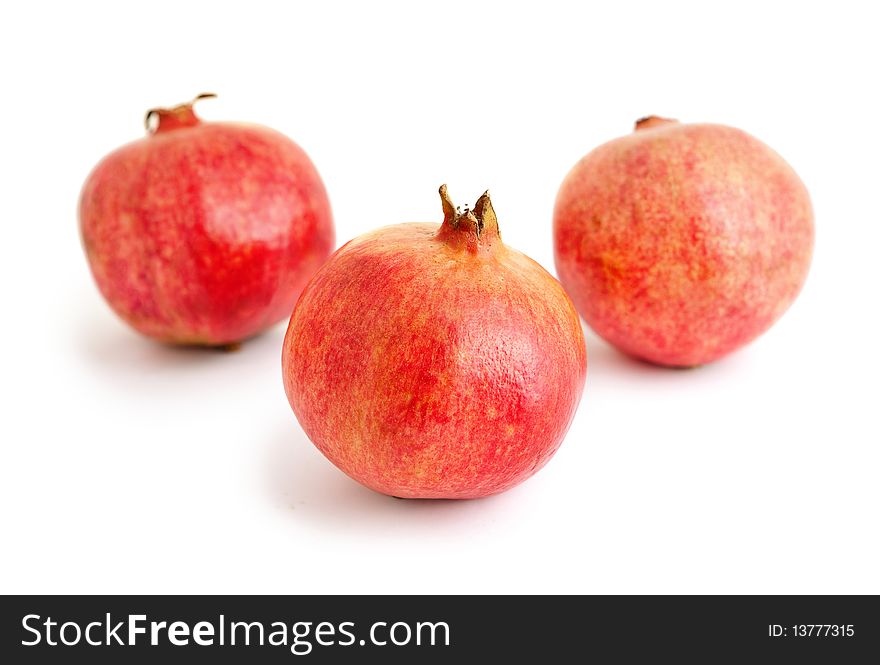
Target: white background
x=130 y=467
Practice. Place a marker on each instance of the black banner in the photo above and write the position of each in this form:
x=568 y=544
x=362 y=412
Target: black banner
x=437 y=629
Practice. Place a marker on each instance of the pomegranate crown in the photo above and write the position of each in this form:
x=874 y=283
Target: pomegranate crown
x=182 y=115
x=651 y=121
x=481 y=219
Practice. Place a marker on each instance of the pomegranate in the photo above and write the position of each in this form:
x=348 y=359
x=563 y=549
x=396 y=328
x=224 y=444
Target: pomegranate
x=435 y=362
x=682 y=242
x=204 y=232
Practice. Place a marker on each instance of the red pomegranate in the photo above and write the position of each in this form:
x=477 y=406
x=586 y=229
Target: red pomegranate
x=435 y=362
x=204 y=232
x=682 y=242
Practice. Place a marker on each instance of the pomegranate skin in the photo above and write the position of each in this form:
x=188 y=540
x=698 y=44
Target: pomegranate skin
x=682 y=242
x=431 y=362
x=204 y=232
